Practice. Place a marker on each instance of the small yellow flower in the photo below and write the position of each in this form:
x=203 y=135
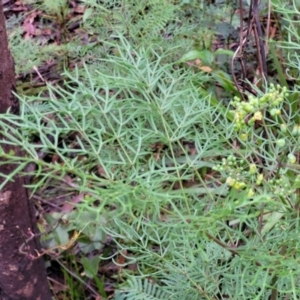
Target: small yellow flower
x=239 y=185
x=244 y=136
x=275 y=112
x=250 y=193
x=259 y=179
x=292 y=158
x=257 y=116
x=252 y=169
x=230 y=181
x=237 y=116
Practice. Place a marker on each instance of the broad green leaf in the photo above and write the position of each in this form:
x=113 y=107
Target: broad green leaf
x=90 y=265
x=205 y=56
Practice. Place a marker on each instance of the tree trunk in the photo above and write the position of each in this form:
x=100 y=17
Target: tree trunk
x=21 y=277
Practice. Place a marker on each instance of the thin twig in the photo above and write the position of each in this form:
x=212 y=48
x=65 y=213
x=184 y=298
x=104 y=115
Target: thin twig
x=94 y=292
x=268 y=27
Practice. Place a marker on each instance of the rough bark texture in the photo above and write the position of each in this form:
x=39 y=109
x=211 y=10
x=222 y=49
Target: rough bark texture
x=20 y=277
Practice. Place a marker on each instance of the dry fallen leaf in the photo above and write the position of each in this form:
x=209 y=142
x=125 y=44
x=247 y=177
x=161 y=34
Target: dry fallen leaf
x=206 y=69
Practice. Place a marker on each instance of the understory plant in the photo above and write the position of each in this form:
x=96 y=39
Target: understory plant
x=184 y=201
x=198 y=206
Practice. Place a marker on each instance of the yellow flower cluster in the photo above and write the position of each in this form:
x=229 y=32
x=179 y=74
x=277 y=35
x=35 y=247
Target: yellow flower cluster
x=252 y=110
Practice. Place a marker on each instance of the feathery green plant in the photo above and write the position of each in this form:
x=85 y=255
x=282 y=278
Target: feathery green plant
x=114 y=118
x=141 y=289
x=127 y=122
x=205 y=206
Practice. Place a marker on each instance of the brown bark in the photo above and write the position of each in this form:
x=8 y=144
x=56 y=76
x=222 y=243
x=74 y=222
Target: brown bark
x=21 y=278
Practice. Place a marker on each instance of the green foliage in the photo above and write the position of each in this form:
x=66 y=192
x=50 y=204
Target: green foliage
x=139 y=289
x=51 y=7
x=30 y=53
x=203 y=200
x=113 y=117
x=94 y=114
x=168 y=24
x=139 y=21
x=115 y=123
x=288 y=69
